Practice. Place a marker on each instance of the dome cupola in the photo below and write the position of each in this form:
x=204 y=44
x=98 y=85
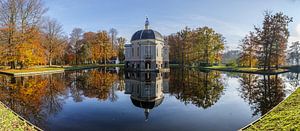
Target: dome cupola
x=147 y=33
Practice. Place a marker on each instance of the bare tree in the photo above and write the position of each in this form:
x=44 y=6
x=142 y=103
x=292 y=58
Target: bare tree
x=54 y=42
x=113 y=33
x=75 y=37
x=294 y=53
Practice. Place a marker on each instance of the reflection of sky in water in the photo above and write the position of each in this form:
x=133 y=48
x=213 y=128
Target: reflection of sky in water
x=186 y=103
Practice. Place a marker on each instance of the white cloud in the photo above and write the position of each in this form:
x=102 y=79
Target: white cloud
x=295 y=34
x=298 y=29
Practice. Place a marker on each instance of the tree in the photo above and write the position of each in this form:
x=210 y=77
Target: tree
x=30 y=50
x=121 y=47
x=201 y=45
x=209 y=46
x=75 y=36
x=53 y=42
x=272 y=40
x=249 y=49
x=17 y=19
x=113 y=34
x=102 y=49
x=294 y=53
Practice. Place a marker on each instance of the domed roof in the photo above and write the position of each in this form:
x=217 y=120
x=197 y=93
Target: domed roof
x=146 y=104
x=147 y=34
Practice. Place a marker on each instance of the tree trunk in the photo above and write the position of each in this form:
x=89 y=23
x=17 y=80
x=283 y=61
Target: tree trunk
x=50 y=62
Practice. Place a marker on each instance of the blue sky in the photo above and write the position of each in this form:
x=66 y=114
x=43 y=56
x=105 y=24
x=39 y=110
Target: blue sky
x=232 y=18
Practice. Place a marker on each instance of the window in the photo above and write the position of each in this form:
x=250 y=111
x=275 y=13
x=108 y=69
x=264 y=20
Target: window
x=138 y=51
x=132 y=51
x=157 y=51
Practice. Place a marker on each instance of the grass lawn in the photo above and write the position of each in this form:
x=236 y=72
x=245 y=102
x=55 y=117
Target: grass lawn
x=174 y=65
x=28 y=70
x=10 y=122
x=285 y=116
x=54 y=68
x=243 y=69
x=112 y=65
x=80 y=67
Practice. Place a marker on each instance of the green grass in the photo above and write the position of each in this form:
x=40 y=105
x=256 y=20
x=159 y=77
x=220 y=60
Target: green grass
x=10 y=122
x=29 y=70
x=285 y=116
x=243 y=69
x=41 y=69
x=80 y=67
x=112 y=65
x=174 y=65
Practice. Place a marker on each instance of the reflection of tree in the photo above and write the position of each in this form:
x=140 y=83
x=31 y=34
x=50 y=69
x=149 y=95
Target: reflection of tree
x=75 y=81
x=94 y=84
x=294 y=79
x=202 y=89
x=35 y=98
x=54 y=91
x=262 y=92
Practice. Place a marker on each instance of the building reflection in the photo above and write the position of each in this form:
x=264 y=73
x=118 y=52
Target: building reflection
x=146 y=89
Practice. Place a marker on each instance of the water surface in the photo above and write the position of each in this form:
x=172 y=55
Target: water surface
x=111 y=99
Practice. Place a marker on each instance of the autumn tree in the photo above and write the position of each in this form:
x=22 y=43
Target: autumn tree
x=30 y=50
x=294 y=53
x=102 y=49
x=249 y=47
x=18 y=18
x=53 y=42
x=209 y=46
x=201 y=46
x=272 y=40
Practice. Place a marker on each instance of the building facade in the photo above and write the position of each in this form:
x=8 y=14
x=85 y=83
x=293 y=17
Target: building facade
x=147 y=51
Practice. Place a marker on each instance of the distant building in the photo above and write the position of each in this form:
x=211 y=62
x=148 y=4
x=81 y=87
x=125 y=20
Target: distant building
x=147 y=89
x=147 y=51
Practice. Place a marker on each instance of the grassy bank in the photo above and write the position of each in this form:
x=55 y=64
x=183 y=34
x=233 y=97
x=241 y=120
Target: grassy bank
x=53 y=69
x=112 y=65
x=245 y=70
x=80 y=67
x=285 y=116
x=11 y=122
x=31 y=71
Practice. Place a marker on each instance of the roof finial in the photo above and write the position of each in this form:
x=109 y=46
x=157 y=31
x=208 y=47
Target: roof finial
x=147 y=23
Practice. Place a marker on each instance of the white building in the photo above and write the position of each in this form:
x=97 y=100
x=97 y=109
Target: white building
x=147 y=51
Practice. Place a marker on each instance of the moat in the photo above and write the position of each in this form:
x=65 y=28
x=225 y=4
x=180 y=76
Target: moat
x=111 y=99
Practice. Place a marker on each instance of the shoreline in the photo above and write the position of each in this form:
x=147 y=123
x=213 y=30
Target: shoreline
x=12 y=121
x=279 y=117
